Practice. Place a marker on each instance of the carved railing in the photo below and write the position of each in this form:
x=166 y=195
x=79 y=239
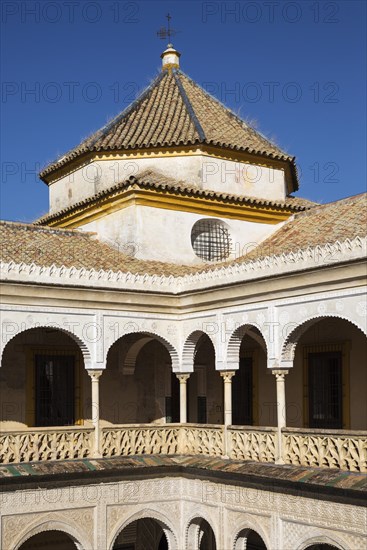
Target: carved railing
x=249 y=443
x=199 y=439
x=325 y=448
x=304 y=447
x=39 y=444
x=139 y=439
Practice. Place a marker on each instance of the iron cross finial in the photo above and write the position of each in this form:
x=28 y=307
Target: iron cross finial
x=164 y=32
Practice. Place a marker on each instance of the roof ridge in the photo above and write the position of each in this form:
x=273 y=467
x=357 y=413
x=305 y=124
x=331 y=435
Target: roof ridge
x=189 y=106
x=232 y=113
x=128 y=109
x=154 y=120
x=103 y=131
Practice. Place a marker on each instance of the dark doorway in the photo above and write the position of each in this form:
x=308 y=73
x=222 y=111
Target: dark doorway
x=242 y=394
x=173 y=401
x=325 y=390
x=55 y=390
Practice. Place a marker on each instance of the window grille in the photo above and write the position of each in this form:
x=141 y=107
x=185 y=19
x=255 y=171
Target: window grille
x=211 y=240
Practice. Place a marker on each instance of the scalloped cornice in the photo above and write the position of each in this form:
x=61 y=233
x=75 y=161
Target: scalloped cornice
x=269 y=266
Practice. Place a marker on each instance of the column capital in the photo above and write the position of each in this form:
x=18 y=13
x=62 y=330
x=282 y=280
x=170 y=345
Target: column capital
x=227 y=375
x=183 y=377
x=95 y=373
x=280 y=373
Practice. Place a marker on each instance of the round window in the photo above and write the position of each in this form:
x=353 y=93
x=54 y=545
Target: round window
x=211 y=240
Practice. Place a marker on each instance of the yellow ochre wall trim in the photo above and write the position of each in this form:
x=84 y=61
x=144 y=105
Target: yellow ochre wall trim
x=152 y=199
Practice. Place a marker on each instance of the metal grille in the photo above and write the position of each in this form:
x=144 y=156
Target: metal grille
x=210 y=240
x=325 y=389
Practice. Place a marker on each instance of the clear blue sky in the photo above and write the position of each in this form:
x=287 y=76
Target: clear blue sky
x=295 y=68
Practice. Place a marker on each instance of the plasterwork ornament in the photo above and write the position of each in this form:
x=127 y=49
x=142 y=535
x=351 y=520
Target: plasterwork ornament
x=16 y=527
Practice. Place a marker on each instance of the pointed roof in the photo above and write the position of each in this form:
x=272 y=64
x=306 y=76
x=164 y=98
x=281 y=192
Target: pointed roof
x=173 y=111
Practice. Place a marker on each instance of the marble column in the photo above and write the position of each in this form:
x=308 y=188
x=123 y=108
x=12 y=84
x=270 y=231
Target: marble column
x=281 y=409
x=227 y=379
x=183 y=396
x=95 y=375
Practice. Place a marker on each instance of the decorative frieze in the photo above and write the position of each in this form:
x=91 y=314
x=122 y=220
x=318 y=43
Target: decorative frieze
x=283 y=520
x=307 y=258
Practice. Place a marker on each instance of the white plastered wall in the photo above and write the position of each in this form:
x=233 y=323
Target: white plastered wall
x=165 y=235
x=205 y=172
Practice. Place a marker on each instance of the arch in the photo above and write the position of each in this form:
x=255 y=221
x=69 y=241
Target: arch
x=307 y=543
x=235 y=341
x=251 y=524
x=242 y=540
x=290 y=343
x=132 y=354
x=148 y=513
x=190 y=348
x=53 y=525
x=195 y=530
x=136 y=348
x=82 y=345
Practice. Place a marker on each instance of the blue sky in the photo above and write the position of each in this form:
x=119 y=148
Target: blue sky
x=295 y=69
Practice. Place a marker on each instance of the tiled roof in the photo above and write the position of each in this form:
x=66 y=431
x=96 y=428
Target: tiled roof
x=174 y=111
x=322 y=224
x=45 y=246
x=161 y=183
x=322 y=480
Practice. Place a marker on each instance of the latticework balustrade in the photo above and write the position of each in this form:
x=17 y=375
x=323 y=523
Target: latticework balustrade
x=324 y=449
x=304 y=447
x=45 y=444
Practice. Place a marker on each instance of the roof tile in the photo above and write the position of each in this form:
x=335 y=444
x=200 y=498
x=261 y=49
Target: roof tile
x=46 y=246
x=159 y=182
x=322 y=224
x=172 y=111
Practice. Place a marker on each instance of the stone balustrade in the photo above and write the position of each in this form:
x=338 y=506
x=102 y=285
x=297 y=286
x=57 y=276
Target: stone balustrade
x=199 y=439
x=39 y=444
x=250 y=443
x=341 y=449
x=139 y=439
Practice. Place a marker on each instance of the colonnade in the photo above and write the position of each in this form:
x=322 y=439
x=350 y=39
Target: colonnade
x=183 y=378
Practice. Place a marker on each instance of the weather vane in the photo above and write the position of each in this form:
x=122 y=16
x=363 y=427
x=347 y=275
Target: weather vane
x=164 y=32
